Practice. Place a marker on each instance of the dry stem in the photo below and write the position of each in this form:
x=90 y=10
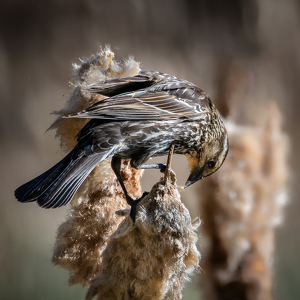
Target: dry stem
x=168 y=166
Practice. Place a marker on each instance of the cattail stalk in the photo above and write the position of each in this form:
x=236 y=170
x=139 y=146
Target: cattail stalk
x=154 y=256
x=242 y=204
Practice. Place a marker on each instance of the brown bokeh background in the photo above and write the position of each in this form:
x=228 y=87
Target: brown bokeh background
x=195 y=40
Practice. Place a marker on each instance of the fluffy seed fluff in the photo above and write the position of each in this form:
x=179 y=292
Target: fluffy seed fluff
x=153 y=257
x=82 y=238
x=99 y=67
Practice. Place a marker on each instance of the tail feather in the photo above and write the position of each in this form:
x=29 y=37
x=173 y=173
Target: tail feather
x=63 y=190
x=29 y=191
x=57 y=186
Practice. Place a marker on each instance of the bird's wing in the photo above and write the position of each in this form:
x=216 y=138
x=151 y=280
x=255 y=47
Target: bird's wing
x=160 y=102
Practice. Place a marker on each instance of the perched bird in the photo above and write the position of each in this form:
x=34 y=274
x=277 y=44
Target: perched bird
x=141 y=117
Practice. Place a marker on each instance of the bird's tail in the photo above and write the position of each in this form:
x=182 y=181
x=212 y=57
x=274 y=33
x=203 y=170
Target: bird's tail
x=57 y=186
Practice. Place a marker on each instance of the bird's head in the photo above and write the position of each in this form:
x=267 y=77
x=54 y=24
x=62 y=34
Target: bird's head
x=208 y=159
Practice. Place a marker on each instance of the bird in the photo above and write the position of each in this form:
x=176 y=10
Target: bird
x=140 y=117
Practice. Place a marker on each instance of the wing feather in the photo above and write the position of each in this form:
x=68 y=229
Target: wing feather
x=165 y=97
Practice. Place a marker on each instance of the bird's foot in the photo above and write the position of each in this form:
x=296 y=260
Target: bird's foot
x=163 y=168
x=129 y=200
x=134 y=204
x=144 y=195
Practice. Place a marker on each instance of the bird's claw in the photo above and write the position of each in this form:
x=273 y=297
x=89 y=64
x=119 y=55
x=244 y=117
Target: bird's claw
x=134 y=204
x=163 y=168
x=133 y=209
x=144 y=195
x=129 y=200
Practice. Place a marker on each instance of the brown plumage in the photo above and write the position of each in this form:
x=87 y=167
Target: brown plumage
x=141 y=117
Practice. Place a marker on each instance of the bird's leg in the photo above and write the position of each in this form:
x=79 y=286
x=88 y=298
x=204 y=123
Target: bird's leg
x=164 y=168
x=161 y=167
x=116 y=166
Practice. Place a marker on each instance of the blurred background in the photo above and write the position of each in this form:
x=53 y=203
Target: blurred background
x=194 y=40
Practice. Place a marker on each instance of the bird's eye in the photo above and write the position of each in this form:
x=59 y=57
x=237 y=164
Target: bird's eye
x=211 y=164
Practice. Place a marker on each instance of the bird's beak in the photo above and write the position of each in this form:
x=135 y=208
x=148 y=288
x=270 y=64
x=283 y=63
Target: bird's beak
x=195 y=175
